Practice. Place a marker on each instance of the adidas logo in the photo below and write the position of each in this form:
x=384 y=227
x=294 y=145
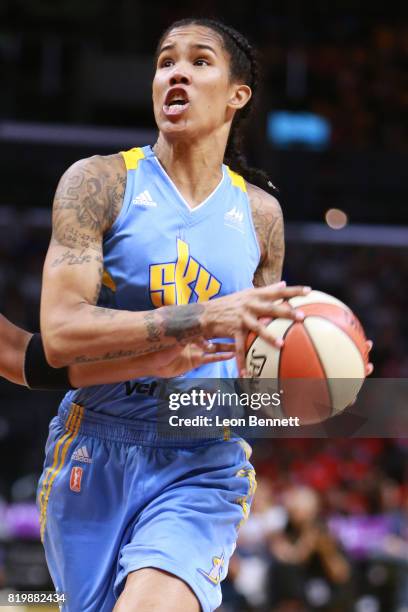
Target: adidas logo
x=234 y=218
x=81 y=454
x=144 y=199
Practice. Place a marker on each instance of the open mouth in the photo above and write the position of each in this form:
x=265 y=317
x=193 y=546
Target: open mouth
x=176 y=102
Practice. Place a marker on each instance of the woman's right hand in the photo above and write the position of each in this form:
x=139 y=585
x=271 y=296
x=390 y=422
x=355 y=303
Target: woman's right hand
x=235 y=315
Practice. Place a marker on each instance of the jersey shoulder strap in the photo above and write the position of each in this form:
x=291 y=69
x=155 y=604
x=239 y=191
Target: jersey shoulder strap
x=132 y=157
x=236 y=179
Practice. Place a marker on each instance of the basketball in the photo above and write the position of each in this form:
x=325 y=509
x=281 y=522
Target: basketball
x=326 y=353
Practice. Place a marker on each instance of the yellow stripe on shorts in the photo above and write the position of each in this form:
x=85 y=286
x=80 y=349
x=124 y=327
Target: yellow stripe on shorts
x=246 y=448
x=50 y=470
x=250 y=475
x=73 y=423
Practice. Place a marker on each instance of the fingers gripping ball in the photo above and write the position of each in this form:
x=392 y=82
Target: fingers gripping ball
x=328 y=349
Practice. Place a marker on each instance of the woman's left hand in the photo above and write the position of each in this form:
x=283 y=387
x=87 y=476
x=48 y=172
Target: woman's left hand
x=178 y=360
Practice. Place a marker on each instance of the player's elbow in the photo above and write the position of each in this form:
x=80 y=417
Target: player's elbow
x=54 y=352
x=57 y=346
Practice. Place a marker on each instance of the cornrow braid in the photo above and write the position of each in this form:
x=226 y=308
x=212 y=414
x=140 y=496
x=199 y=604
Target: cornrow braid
x=243 y=65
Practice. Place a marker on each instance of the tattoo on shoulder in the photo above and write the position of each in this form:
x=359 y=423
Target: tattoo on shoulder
x=268 y=221
x=88 y=200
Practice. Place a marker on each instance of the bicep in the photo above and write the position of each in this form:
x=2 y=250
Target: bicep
x=269 y=270
x=71 y=276
x=74 y=263
x=269 y=227
x=73 y=266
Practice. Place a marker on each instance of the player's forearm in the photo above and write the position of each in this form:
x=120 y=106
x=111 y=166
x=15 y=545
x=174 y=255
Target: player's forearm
x=12 y=369
x=105 y=372
x=14 y=341
x=90 y=334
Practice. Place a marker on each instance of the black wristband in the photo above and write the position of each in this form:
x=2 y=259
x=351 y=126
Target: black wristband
x=38 y=373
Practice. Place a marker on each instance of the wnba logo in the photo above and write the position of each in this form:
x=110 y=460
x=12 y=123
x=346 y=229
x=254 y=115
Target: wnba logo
x=256 y=364
x=76 y=479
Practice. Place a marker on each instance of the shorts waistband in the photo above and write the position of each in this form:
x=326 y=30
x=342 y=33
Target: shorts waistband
x=78 y=420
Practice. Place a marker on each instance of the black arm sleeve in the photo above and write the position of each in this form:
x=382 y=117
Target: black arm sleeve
x=37 y=373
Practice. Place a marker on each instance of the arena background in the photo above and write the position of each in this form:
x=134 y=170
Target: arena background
x=329 y=527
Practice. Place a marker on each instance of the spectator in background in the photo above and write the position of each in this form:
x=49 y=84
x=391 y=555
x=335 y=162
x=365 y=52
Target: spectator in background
x=394 y=548
x=309 y=570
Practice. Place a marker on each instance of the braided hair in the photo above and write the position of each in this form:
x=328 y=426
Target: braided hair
x=243 y=66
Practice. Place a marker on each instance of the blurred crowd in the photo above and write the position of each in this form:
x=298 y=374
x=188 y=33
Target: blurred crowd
x=352 y=74
x=346 y=64
x=328 y=529
x=22 y=253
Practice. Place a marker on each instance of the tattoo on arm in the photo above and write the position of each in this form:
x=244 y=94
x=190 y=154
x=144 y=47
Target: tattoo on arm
x=102 y=312
x=112 y=355
x=183 y=322
x=109 y=356
x=71 y=259
x=72 y=237
x=153 y=331
x=268 y=222
x=98 y=287
x=179 y=323
x=88 y=200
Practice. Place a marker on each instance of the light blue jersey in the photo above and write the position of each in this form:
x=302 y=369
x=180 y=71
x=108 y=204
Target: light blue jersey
x=114 y=495
x=161 y=252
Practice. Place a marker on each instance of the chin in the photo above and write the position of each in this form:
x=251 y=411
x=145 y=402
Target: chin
x=179 y=129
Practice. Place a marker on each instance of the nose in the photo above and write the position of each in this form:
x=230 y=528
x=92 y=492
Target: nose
x=179 y=77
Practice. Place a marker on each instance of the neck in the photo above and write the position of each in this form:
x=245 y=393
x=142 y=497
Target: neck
x=194 y=167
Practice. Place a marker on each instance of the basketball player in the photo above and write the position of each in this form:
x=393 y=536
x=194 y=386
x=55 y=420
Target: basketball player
x=22 y=361
x=154 y=248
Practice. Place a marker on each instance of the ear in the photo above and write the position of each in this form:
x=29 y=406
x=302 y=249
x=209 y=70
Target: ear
x=241 y=94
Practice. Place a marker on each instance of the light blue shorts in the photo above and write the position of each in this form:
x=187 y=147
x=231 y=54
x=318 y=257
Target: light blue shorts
x=114 y=499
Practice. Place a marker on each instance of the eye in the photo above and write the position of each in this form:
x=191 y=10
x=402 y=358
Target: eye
x=201 y=62
x=165 y=62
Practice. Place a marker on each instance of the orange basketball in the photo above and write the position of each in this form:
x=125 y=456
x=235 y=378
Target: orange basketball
x=326 y=354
